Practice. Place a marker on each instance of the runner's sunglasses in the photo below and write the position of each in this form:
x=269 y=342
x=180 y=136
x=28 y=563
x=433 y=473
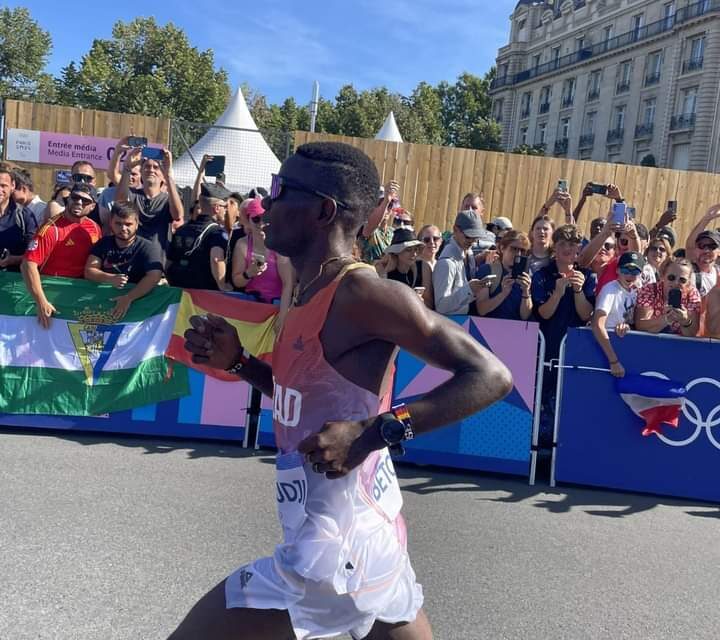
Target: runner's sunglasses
x=281 y=182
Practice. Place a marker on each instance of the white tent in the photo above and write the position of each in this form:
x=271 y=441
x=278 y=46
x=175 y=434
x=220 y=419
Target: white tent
x=389 y=131
x=249 y=161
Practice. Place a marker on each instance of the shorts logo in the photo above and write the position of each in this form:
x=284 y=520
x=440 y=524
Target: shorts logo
x=287 y=404
x=245 y=578
x=384 y=476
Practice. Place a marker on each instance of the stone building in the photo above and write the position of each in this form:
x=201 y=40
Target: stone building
x=613 y=81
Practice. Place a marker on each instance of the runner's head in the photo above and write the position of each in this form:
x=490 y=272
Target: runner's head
x=324 y=188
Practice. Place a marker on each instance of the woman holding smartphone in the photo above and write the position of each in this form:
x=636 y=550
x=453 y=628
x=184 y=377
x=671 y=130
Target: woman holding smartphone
x=508 y=296
x=257 y=270
x=671 y=305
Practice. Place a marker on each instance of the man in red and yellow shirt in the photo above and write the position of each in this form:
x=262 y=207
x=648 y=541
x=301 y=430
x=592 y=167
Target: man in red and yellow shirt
x=61 y=247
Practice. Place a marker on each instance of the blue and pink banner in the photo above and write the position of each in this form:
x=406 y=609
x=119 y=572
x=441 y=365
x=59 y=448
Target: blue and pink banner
x=496 y=439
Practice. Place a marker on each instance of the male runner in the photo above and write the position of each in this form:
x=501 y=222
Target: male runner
x=343 y=565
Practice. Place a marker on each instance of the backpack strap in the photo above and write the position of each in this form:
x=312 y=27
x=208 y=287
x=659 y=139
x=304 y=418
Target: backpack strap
x=199 y=239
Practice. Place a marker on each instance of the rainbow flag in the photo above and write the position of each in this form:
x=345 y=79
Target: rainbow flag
x=253 y=321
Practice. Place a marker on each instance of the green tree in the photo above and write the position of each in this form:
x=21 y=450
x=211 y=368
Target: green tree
x=530 y=150
x=24 y=51
x=150 y=69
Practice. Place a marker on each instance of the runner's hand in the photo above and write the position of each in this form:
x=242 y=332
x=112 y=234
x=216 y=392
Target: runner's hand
x=213 y=341
x=337 y=448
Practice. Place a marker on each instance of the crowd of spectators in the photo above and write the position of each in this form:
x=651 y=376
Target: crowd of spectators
x=136 y=235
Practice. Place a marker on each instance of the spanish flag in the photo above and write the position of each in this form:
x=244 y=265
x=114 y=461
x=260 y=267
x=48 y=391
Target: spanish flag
x=253 y=321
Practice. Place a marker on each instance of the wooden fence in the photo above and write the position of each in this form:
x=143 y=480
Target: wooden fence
x=435 y=179
x=87 y=122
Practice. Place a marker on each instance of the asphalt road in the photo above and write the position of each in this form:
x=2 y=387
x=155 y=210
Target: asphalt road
x=110 y=538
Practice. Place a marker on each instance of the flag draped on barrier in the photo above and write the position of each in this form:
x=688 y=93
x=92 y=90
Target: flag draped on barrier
x=252 y=320
x=655 y=400
x=85 y=363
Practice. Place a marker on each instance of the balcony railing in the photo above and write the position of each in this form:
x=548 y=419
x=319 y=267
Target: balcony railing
x=622 y=87
x=650 y=30
x=692 y=65
x=525 y=113
x=593 y=94
x=615 y=136
x=682 y=121
x=544 y=107
x=644 y=130
x=587 y=141
x=652 y=78
x=561 y=146
x=567 y=101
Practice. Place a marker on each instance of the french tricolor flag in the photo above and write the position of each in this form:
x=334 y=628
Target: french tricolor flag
x=655 y=400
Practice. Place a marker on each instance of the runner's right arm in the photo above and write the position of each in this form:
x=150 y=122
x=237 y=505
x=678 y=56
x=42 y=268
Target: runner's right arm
x=214 y=342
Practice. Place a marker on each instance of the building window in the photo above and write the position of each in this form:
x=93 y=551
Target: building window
x=637 y=24
x=568 y=94
x=594 y=85
x=653 y=67
x=498 y=109
x=649 y=111
x=523 y=135
x=525 y=104
x=564 y=128
x=589 y=123
x=696 y=55
x=545 y=93
x=555 y=55
x=608 y=33
x=624 y=73
x=618 y=121
x=669 y=14
x=689 y=100
x=536 y=61
x=541 y=134
x=521 y=24
x=579 y=43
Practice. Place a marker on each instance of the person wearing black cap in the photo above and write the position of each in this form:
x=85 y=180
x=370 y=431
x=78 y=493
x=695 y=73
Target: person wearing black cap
x=196 y=255
x=61 y=246
x=615 y=307
x=703 y=249
x=158 y=201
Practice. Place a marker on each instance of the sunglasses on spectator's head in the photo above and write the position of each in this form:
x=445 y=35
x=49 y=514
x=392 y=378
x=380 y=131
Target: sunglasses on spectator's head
x=279 y=183
x=429 y=239
x=609 y=246
x=82 y=177
x=630 y=271
x=681 y=279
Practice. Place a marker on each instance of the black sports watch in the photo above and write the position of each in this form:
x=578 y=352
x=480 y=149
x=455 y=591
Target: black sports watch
x=394 y=427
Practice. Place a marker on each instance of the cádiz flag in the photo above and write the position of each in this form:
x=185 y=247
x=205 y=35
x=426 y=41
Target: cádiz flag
x=86 y=364
x=253 y=321
x=655 y=400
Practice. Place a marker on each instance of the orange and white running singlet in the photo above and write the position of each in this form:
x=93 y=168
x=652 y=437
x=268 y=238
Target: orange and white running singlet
x=343 y=562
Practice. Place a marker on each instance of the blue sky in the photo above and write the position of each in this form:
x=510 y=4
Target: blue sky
x=280 y=46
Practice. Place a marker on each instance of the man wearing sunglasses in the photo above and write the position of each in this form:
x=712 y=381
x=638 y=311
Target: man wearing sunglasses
x=343 y=565
x=196 y=256
x=703 y=248
x=83 y=172
x=61 y=247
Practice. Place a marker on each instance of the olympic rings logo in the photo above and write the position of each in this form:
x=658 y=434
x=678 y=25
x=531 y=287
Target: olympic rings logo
x=692 y=414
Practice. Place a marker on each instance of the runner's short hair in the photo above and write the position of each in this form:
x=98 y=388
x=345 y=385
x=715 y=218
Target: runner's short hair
x=347 y=174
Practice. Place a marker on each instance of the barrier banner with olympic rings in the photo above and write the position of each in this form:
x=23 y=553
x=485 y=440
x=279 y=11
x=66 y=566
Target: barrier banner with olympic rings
x=598 y=437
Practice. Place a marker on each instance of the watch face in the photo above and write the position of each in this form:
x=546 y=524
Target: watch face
x=392 y=431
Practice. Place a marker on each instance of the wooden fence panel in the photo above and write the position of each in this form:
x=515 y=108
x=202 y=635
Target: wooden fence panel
x=516 y=186
x=45 y=117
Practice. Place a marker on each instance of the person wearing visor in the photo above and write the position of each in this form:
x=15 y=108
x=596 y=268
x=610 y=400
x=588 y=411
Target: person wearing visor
x=615 y=307
x=61 y=247
x=257 y=270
